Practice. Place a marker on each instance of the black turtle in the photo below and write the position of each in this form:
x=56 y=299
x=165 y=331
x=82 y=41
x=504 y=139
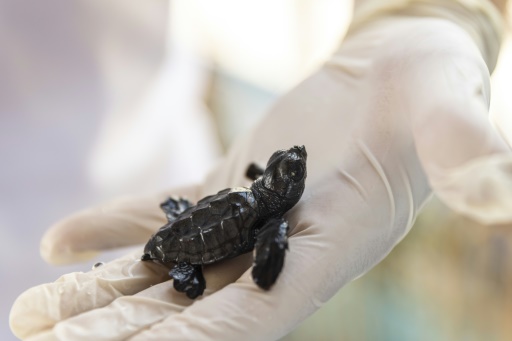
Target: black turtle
x=232 y=222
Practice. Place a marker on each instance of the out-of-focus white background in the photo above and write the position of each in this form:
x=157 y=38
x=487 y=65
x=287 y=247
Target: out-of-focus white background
x=103 y=98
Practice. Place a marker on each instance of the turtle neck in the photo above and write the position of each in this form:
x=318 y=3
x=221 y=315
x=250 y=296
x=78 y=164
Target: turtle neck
x=270 y=203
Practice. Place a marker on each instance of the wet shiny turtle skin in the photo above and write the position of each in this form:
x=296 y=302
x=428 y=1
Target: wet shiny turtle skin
x=232 y=222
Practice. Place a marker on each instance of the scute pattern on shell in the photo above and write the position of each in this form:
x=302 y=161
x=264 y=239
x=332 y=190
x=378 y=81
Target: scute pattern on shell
x=218 y=227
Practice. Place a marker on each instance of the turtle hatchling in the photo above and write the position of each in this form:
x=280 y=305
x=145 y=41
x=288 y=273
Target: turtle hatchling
x=230 y=223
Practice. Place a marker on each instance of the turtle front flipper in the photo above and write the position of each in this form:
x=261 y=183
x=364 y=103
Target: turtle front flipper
x=172 y=207
x=189 y=279
x=254 y=171
x=269 y=252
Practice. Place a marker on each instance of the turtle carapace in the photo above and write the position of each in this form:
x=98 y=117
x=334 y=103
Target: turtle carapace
x=232 y=222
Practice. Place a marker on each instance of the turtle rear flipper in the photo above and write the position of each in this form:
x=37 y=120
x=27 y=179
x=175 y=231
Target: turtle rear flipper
x=189 y=279
x=269 y=252
x=174 y=207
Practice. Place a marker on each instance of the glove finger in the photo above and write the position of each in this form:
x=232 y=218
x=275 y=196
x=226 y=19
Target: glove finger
x=128 y=315
x=40 y=307
x=123 y=222
x=456 y=143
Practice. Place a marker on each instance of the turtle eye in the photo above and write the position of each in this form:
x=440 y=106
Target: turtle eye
x=295 y=171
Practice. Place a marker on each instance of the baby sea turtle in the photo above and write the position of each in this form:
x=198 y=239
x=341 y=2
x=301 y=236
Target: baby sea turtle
x=232 y=222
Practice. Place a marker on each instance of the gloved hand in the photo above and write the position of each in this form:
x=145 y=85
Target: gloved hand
x=402 y=103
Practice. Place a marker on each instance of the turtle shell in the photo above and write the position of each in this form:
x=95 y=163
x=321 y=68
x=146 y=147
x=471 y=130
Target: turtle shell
x=217 y=227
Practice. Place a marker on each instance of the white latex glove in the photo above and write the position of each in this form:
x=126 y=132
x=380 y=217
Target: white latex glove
x=403 y=102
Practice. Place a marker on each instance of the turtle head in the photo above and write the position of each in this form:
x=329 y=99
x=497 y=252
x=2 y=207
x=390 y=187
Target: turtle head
x=285 y=174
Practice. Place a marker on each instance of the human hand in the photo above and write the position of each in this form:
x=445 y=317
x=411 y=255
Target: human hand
x=401 y=103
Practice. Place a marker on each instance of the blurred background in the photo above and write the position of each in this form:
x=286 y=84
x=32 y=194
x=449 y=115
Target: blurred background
x=102 y=98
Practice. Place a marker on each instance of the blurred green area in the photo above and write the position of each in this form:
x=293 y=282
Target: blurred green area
x=449 y=279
